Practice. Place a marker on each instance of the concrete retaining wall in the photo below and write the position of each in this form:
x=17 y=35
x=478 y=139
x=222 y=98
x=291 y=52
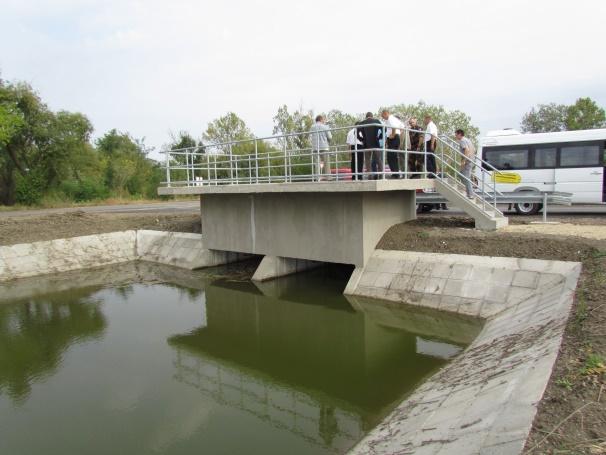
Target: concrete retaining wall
x=40 y=258
x=483 y=402
x=180 y=249
x=62 y=255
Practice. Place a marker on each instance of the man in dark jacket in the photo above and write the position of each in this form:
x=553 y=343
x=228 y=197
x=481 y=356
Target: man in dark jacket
x=370 y=133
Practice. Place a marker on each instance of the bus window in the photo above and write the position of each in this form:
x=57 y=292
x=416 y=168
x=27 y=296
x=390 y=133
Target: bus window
x=545 y=157
x=580 y=155
x=507 y=159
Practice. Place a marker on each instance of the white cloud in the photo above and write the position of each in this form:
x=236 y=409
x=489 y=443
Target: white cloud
x=152 y=66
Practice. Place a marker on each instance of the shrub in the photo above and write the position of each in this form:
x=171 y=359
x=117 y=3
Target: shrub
x=29 y=188
x=84 y=190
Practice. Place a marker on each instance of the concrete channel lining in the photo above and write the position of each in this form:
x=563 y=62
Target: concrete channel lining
x=481 y=403
x=484 y=401
x=62 y=255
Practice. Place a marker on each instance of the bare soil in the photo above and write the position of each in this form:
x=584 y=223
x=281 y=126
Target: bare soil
x=572 y=415
x=33 y=228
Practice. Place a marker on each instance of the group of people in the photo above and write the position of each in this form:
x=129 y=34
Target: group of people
x=366 y=140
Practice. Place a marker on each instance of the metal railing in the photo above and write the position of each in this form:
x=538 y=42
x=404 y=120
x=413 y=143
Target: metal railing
x=291 y=158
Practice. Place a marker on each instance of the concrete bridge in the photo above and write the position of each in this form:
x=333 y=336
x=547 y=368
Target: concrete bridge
x=297 y=210
x=295 y=224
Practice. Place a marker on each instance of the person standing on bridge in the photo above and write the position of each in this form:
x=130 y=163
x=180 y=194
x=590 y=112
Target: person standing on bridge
x=320 y=146
x=357 y=154
x=370 y=133
x=431 y=139
x=469 y=154
x=393 y=131
x=415 y=159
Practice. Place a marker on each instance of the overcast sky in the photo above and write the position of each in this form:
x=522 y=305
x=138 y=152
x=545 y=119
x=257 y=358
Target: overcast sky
x=151 y=67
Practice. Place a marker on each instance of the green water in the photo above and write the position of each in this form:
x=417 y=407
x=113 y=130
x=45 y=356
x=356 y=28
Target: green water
x=178 y=362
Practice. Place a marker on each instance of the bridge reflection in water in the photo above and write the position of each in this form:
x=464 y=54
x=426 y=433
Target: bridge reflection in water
x=325 y=372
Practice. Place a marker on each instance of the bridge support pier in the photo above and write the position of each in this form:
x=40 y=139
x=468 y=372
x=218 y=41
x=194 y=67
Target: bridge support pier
x=275 y=266
x=333 y=222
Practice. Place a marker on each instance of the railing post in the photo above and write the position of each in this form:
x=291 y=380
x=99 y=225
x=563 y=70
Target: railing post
x=187 y=167
x=236 y=166
x=285 y=163
x=384 y=153
x=168 y=168
x=354 y=173
x=544 y=207
x=231 y=168
x=483 y=192
x=425 y=155
x=256 y=162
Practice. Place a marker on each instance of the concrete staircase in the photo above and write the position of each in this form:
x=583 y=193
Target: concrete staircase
x=486 y=217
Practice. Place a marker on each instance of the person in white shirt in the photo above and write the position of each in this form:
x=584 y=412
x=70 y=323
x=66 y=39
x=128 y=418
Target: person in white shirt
x=357 y=154
x=431 y=138
x=393 y=131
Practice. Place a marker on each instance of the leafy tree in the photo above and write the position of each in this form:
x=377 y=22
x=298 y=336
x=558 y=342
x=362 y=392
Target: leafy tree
x=38 y=148
x=447 y=121
x=226 y=128
x=338 y=119
x=297 y=122
x=545 y=118
x=184 y=140
x=128 y=171
x=585 y=114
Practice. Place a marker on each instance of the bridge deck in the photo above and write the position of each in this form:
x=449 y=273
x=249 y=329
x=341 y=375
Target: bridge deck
x=304 y=187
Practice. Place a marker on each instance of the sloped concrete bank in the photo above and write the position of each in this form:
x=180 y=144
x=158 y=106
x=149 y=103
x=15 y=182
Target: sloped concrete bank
x=484 y=401
x=173 y=248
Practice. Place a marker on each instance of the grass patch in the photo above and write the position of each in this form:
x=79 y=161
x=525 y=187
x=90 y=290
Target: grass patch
x=594 y=364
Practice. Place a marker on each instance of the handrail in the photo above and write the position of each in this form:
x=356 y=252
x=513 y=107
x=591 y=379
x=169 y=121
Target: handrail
x=483 y=172
x=220 y=163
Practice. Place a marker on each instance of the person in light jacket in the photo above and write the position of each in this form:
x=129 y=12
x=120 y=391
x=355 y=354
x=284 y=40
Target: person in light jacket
x=320 y=146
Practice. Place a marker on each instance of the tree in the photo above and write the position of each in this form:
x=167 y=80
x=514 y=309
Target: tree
x=128 y=171
x=227 y=128
x=297 y=122
x=191 y=153
x=447 y=121
x=38 y=148
x=338 y=119
x=585 y=114
x=545 y=118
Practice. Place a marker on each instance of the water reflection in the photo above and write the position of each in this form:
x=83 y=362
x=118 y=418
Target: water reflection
x=288 y=366
x=327 y=373
x=34 y=336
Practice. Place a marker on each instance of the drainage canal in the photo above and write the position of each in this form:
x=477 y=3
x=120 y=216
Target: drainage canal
x=142 y=358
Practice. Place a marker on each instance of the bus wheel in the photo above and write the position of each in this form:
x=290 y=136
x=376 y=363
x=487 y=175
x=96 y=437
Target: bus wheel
x=528 y=208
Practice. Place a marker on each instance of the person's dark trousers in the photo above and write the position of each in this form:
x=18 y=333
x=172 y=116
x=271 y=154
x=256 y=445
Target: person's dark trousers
x=357 y=172
x=431 y=160
x=392 y=157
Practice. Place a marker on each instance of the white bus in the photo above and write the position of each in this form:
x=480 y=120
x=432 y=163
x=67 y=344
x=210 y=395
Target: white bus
x=568 y=161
